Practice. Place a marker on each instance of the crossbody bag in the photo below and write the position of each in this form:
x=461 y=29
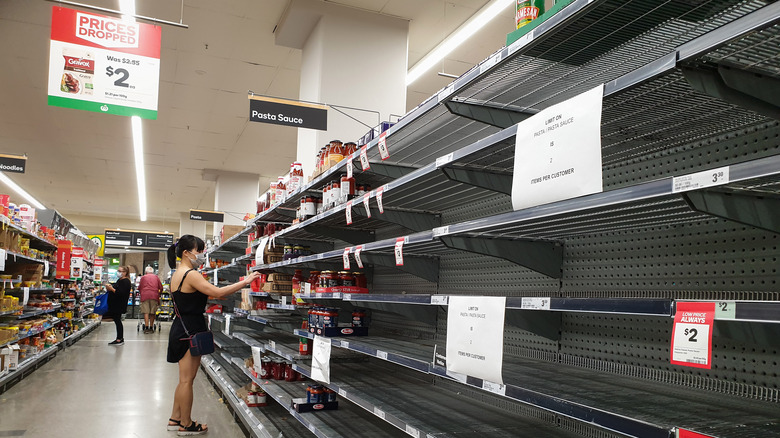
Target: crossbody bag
x=200 y=343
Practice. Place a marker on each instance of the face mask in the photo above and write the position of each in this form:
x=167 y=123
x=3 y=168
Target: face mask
x=200 y=259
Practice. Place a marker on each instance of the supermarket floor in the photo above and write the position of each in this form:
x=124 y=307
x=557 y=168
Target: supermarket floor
x=93 y=390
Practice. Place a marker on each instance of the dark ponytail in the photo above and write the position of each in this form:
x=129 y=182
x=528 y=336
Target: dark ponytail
x=187 y=242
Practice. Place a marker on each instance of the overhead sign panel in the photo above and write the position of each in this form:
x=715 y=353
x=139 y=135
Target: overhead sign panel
x=103 y=64
x=138 y=239
x=207 y=216
x=288 y=112
x=13 y=163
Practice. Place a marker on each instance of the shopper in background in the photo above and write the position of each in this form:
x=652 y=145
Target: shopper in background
x=190 y=296
x=149 y=288
x=118 y=295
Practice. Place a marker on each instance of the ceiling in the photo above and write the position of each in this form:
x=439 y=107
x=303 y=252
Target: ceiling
x=81 y=163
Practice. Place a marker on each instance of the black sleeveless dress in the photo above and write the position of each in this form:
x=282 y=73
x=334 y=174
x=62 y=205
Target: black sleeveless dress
x=191 y=307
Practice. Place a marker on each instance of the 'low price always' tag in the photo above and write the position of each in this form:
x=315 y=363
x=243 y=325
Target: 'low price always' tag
x=345 y=257
x=399 y=251
x=692 y=335
x=364 y=158
x=348 y=211
x=382 y=144
x=366 y=204
x=379 y=193
x=358 y=250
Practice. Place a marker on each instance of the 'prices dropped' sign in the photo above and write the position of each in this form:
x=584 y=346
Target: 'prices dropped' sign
x=103 y=64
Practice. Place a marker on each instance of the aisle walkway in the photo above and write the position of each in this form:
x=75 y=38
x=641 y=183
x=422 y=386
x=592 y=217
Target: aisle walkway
x=93 y=390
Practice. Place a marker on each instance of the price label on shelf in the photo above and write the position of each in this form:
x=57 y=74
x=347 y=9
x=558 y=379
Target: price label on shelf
x=26 y=298
x=358 y=250
x=311 y=427
x=347 y=297
x=344 y=344
x=342 y=393
x=382 y=145
x=272 y=345
x=345 y=258
x=489 y=63
x=381 y=354
x=412 y=431
x=216 y=280
x=535 y=303
x=364 y=158
x=366 y=205
x=442 y=161
x=684 y=433
x=725 y=310
x=692 y=335
x=700 y=180
x=440 y=231
x=439 y=300
x=445 y=93
x=379 y=193
x=399 y=251
x=348 y=211
x=349 y=166
x=495 y=388
x=379 y=413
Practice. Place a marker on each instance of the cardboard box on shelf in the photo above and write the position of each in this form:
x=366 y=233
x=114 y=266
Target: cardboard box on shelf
x=229 y=231
x=13 y=357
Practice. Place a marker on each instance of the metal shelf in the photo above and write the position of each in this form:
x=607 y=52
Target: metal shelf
x=41 y=243
x=39 y=312
x=347 y=421
x=231 y=246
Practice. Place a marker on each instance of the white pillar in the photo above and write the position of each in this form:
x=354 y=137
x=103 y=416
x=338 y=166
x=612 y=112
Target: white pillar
x=350 y=58
x=236 y=195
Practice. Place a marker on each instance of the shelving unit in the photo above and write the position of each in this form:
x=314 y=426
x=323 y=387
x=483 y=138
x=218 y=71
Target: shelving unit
x=591 y=283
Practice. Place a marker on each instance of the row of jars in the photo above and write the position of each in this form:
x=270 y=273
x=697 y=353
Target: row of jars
x=332 y=153
x=334 y=193
x=292 y=251
x=328 y=317
x=320 y=394
x=278 y=369
x=330 y=279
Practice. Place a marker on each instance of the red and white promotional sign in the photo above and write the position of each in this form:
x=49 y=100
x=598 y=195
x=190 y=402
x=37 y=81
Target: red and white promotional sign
x=98 y=270
x=348 y=212
x=358 y=250
x=692 y=335
x=76 y=262
x=682 y=433
x=345 y=257
x=379 y=193
x=399 y=251
x=364 y=158
x=382 y=145
x=63 y=259
x=103 y=64
x=366 y=204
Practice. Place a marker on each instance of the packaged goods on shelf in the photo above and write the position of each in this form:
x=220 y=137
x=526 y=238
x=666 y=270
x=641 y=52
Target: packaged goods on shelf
x=318 y=398
x=229 y=230
x=325 y=321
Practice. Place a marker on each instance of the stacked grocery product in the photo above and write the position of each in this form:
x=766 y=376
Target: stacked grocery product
x=25 y=217
x=324 y=321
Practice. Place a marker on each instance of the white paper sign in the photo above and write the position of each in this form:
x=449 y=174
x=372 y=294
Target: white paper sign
x=535 y=303
x=345 y=258
x=366 y=204
x=215 y=276
x=320 y=363
x=348 y=212
x=558 y=152
x=226 y=330
x=257 y=357
x=364 y=158
x=349 y=167
x=4 y=256
x=358 y=250
x=379 y=192
x=382 y=145
x=399 y=252
x=26 y=291
x=475 y=336
x=260 y=250
x=98 y=270
x=700 y=180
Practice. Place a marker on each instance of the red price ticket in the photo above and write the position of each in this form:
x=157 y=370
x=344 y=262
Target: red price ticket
x=349 y=167
x=692 y=335
x=345 y=257
x=379 y=192
x=366 y=198
x=682 y=433
x=358 y=250
x=399 y=251
x=364 y=158
x=348 y=212
x=382 y=144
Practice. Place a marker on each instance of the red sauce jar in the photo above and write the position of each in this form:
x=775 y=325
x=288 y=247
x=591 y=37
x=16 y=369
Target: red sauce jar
x=360 y=280
x=346 y=278
x=290 y=375
x=314 y=278
x=266 y=368
x=347 y=188
x=277 y=369
x=336 y=150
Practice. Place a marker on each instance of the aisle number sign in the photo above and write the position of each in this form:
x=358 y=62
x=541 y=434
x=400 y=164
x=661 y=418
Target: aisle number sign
x=692 y=335
x=103 y=64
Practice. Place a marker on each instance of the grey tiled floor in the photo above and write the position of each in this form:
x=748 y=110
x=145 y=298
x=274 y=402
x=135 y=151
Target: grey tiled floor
x=95 y=390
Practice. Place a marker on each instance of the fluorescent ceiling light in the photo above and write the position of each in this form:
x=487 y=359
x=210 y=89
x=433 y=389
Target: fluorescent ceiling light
x=128 y=9
x=21 y=192
x=138 y=149
x=464 y=32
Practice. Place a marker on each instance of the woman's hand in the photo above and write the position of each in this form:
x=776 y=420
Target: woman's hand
x=252 y=277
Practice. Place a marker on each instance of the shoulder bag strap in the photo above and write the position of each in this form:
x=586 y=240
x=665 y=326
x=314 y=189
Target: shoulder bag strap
x=173 y=298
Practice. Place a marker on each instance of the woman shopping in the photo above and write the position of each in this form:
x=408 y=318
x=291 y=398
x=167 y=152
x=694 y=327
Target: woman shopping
x=118 y=294
x=190 y=296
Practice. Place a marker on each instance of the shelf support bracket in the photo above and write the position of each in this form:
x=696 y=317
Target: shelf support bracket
x=544 y=257
x=487 y=180
x=502 y=116
x=392 y=171
x=352 y=236
x=426 y=268
x=414 y=221
x=760 y=211
x=749 y=90
x=544 y=324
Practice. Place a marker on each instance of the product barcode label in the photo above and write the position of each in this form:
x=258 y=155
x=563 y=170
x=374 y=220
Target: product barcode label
x=272 y=345
x=496 y=388
x=700 y=180
x=381 y=354
x=366 y=204
x=441 y=231
x=344 y=344
x=441 y=161
x=412 y=431
x=364 y=158
x=535 y=303
x=347 y=297
x=379 y=413
x=349 y=167
x=382 y=144
x=399 y=252
x=348 y=211
x=342 y=393
x=490 y=62
x=725 y=310
x=379 y=193
x=345 y=258
x=359 y=262
x=320 y=256
x=439 y=300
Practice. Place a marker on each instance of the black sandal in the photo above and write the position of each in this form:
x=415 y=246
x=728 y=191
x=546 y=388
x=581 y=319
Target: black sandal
x=193 y=429
x=175 y=426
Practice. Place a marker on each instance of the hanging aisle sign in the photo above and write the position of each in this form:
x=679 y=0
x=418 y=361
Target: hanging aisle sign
x=63 y=259
x=558 y=152
x=13 y=163
x=207 y=216
x=103 y=64
x=692 y=335
x=287 y=112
